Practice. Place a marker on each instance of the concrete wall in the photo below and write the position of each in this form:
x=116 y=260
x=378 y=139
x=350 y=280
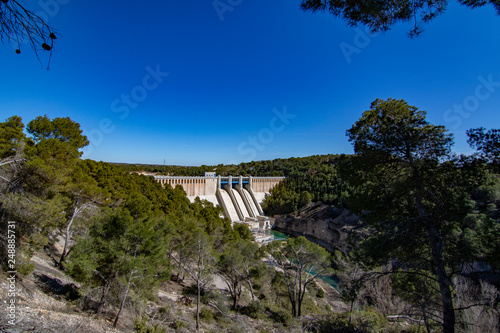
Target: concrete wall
x=265 y=184
x=193 y=186
x=230 y=199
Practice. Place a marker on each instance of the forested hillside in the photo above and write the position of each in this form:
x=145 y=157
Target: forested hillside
x=427 y=258
x=122 y=237
x=308 y=179
x=432 y=215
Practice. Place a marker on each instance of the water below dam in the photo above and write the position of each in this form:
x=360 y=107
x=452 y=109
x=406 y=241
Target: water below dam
x=280 y=236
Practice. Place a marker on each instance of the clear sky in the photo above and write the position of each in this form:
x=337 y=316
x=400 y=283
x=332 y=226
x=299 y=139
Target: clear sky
x=179 y=81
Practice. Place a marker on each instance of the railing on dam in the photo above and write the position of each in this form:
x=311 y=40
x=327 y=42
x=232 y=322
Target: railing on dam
x=208 y=185
x=240 y=196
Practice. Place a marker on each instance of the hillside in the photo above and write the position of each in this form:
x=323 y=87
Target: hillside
x=51 y=301
x=335 y=229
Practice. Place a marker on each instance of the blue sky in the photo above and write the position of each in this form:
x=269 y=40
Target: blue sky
x=177 y=81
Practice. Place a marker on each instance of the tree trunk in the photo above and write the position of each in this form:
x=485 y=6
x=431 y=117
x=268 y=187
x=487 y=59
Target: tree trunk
x=198 y=307
x=66 y=240
x=251 y=289
x=443 y=280
x=103 y=297
x=123 y=300
x=235 y=299
x=76 y=212
x=300 y=297
x=436 y=242
x=302 y=293
x=426 y=320
x=299 y=310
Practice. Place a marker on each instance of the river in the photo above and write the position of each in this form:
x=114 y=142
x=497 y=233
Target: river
x=283 y=237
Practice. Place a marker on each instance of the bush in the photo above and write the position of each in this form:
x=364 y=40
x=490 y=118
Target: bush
x=282 y=317
x=179 y=324
x=25 y=268
x=255 y=310
x=143 y=326
x=207 y=315
x=367 y=321
x=320 y=293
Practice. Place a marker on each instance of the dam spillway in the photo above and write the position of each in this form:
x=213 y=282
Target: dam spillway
x=240 y=197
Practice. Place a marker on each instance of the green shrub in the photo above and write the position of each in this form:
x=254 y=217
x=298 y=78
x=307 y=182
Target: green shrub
x=367 y=321
x=282 y=317
x=255 y=310
x=143 y=326
x=207 y=315
x=179 y=324
x=25 y=268
x=320 y=293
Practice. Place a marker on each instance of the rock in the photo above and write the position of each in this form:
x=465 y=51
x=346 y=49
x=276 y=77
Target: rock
x=331 y=227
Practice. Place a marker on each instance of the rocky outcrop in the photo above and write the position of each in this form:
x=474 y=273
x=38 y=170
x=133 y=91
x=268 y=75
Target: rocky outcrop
x=331 y=227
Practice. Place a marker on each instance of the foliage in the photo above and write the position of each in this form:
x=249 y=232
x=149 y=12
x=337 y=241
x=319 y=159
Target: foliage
x=235 y=267
x=255 y=309
x=11 y=136
x=419 y=199
x=198 y=259
x=244 y=233
x=367 y=321
x=121 y=249
x=133 y=231
x=381 y=16
x=143 y=326
x=60 y=129
x=302 y=262
x=487 y=143
x=283 y=317
x=309 y=179
x=207 y=315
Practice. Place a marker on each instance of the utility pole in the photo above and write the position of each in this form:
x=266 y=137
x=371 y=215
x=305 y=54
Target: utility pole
x=163 y=165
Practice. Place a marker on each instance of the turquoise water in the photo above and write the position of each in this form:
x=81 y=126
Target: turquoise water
x=331 y=281
x=278 y=235
x=282 y=237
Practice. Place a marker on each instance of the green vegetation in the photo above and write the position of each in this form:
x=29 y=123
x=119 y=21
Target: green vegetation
x=419 y=198
x=430 y=256
x=123 y=233
x=302 y=262
x=381 y=16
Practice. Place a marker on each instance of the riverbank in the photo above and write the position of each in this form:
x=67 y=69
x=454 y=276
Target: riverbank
x=335 y=229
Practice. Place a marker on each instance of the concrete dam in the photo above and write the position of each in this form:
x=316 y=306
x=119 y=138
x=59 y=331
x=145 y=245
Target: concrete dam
x=240 y=197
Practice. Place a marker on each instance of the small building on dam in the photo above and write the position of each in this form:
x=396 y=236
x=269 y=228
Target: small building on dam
x=240 y=197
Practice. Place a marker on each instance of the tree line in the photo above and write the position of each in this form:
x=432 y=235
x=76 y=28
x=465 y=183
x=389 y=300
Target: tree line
x=124 y=234
x=432 y=216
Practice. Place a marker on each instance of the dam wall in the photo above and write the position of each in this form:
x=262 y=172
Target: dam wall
x=239 y=196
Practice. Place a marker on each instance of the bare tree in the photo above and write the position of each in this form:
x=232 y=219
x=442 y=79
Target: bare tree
x=19 y=25
x=301 y=262
x=199 y=264
x=79 y=206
